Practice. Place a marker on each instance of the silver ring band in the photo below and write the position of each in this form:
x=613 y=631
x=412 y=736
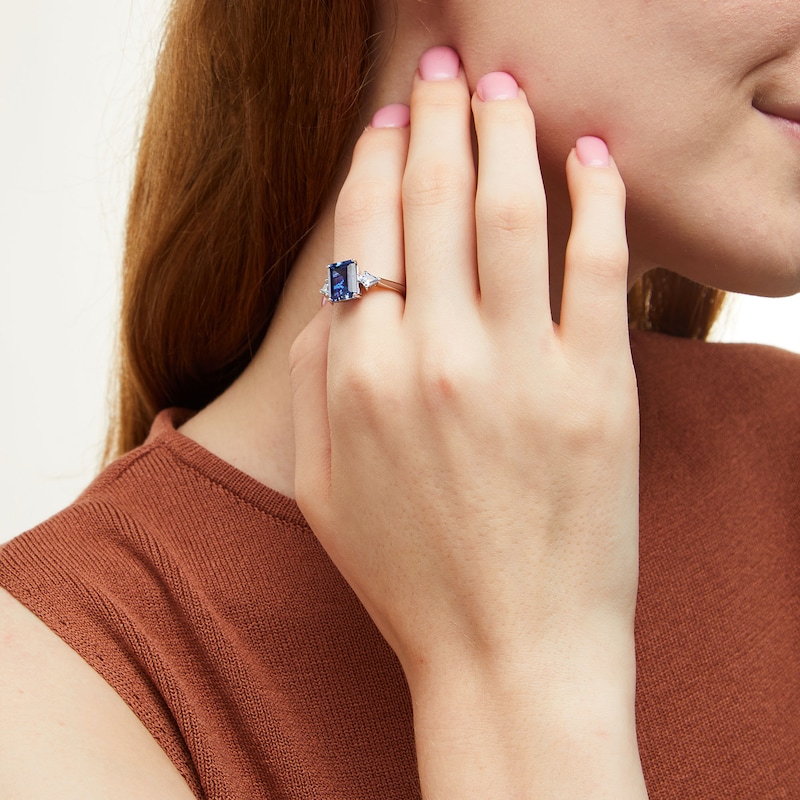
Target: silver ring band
x=344 y=282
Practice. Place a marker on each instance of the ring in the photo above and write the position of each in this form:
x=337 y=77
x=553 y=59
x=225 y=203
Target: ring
x=344 y=282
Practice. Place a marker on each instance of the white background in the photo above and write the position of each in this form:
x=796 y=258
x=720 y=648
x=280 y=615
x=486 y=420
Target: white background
x=74 y=78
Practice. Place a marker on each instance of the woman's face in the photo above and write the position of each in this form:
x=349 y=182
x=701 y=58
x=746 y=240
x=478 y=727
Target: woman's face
x=689 y=96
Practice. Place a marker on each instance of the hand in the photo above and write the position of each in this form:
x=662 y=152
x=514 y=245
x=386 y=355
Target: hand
x=470 y=467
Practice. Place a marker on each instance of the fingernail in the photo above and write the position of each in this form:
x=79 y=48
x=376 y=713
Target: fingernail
x=592 y=152
x=323 y=301
x=497 y=86
x=439 y=64
x=396 y=115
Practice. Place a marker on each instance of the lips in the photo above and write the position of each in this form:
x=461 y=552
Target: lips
x=785 y=116
x=788 y=111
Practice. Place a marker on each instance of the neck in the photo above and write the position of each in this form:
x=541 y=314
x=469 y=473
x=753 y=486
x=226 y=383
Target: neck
x=250 y=425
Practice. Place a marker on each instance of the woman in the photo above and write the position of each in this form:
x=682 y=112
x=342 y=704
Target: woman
x=474 y=472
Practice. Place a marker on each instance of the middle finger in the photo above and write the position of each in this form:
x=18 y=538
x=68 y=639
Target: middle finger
x=439 y=193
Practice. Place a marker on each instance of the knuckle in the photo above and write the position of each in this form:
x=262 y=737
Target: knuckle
x=446 y=377
x=609 y=263
x=356 y=381
x=583 y=429
x=590 y=426
x=606 y=184
x=601 y=259
x=431 y=182
x=364 y=200
x=364 y=384
x=515 y=211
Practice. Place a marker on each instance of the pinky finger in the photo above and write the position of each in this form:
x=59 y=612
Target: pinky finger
x=594 y=309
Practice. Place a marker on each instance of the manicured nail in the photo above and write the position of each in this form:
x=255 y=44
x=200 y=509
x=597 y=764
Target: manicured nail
x=592 y=152
x=497 y=86
x=395 y=115
x=439 y=64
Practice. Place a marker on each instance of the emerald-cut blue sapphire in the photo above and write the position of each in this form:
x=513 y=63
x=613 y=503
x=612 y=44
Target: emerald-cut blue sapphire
x=343 y=281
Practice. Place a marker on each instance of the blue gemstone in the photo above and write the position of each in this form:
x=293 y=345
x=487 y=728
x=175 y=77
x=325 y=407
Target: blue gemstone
x=343 y=280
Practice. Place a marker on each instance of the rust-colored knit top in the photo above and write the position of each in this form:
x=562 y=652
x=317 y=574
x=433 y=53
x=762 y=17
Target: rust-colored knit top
x=204 y=599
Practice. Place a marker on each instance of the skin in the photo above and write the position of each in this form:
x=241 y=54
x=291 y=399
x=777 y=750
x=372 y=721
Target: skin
x=711 y=183
x=503 y=550
x=670 y=86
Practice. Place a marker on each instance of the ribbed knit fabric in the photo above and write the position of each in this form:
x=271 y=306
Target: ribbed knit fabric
x=205 y=601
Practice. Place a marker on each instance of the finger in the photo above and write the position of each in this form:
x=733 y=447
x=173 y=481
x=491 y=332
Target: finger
x=510 y=207
x=369 y=221
x=594 y=310
x=439 y=192
x=308 y=361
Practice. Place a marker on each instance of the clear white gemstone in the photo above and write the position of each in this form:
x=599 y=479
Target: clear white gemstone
x=367 y=280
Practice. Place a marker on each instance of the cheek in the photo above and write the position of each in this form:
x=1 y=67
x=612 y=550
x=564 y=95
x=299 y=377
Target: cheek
x=717 y=199
x=713 y=190
x=729 y=225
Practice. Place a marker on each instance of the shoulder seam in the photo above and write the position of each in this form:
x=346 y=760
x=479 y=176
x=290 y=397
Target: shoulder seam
x=209 y=479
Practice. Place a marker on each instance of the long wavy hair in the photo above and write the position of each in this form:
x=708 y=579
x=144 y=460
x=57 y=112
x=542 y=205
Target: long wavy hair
x=252 y=110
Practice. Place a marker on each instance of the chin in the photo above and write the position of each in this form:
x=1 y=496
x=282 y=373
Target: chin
x=763 y=262
x=761 y=275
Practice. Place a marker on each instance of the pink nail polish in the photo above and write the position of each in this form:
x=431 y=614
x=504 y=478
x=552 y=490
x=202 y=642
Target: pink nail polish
x=592 y=152
x=396 y=115
x=497 y=86
x=439 y=64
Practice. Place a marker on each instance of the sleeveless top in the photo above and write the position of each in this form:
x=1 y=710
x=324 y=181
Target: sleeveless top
x=203 y=598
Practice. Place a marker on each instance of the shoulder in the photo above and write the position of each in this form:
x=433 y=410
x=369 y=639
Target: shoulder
x=64 y=732
x=721 y=415
x=673 y=355
x=113 y=592
x=715 y=378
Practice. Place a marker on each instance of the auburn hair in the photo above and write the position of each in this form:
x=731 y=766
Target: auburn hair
x=252 y=110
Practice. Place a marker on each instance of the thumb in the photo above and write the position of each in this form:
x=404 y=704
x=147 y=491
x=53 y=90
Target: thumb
x=308 y=370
